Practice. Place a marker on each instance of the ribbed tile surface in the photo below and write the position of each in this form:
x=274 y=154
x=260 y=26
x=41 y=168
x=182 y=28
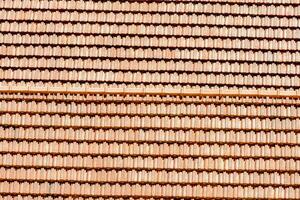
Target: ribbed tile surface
x=149 y=100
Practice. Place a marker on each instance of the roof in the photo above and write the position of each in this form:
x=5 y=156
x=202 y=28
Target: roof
x=149 y=99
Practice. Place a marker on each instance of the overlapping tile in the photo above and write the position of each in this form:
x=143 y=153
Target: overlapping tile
x=149 y=100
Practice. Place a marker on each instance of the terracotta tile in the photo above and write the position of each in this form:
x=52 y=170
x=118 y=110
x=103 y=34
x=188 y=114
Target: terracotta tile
x=70 y=137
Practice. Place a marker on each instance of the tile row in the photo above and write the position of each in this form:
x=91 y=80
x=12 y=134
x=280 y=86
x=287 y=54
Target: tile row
x=137 y=190
x=152 y=177
x=214 y=7
x=150 y=136
x=49 y=197
x=168 y=93
x=144 y=89
x=155 y=150
x=143 y=41
x=150 y=98
x=151 y=66
x=147 y=18
x=154 y=78
x=153 y=54
x=122 y=162
x=150 y=109
x=153 y=122
x=148 y=30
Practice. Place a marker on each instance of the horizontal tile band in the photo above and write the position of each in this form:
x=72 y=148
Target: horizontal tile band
x=133 y=191
x=152 y=91
x=109 y=18
x=156 y=5
x=159 y=163
x=99 y=98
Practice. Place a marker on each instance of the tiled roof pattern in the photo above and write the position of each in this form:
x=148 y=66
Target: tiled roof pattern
x=149 y=99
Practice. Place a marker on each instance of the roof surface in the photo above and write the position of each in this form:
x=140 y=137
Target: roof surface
x=149 y=99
